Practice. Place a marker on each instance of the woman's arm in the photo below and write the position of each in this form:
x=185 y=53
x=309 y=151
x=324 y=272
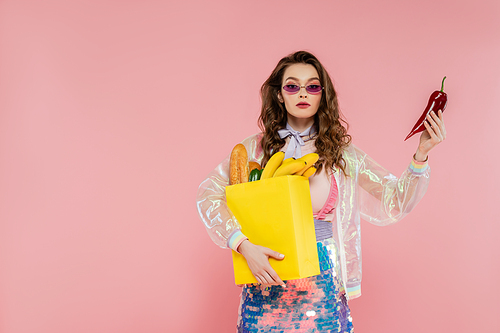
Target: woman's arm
x=220 y=223
x=223 y=227
x=386 y=199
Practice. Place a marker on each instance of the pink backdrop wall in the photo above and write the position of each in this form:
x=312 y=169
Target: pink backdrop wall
x=112 y=113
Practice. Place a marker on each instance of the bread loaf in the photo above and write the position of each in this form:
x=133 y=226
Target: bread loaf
x=238 y=165
x=253 y=165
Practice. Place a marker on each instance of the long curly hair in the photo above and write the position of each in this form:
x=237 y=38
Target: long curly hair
x=331 y=135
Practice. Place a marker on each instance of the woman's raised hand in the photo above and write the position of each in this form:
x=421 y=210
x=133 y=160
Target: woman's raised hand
x=435 y=133
x=258 y=261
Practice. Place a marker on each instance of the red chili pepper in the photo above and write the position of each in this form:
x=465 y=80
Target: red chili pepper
x=437 y=101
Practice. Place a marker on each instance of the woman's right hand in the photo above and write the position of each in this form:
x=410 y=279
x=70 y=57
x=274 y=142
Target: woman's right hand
x=258 y=261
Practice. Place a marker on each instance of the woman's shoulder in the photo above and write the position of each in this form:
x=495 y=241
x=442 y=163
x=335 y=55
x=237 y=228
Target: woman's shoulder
x=352 y=156
x=351 y=149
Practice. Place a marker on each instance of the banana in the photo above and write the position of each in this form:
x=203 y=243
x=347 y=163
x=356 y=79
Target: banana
x=289 y=168
x=288 y=160
x=310 y=159
x=309 y=172
x=273 y=164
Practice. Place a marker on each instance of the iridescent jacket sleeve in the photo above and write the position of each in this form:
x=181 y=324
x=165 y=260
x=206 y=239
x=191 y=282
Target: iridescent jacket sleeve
x=385 y=198
x=220 y=223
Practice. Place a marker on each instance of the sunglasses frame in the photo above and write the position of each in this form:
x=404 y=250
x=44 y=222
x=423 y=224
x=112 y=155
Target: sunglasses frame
x=305 y=87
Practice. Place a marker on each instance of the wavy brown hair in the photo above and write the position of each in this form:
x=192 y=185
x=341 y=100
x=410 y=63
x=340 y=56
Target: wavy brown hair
x=331 y=135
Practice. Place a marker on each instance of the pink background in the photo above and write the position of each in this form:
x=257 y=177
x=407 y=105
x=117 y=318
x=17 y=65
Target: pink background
x=112 y=113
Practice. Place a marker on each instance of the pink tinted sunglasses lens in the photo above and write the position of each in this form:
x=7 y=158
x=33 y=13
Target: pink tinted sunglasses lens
x=314 y=89
x=293 y=88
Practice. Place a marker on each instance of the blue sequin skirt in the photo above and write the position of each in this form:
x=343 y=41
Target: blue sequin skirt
x=314 y=304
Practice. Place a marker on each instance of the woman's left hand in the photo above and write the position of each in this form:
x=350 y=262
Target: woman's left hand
x=435 y=133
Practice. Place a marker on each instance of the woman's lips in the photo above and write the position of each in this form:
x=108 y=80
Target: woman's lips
x=303 y=105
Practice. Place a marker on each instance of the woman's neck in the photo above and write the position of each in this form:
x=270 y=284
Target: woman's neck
x=300 y=124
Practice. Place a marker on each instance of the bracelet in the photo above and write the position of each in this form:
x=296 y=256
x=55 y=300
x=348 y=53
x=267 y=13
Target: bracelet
x=427 y=158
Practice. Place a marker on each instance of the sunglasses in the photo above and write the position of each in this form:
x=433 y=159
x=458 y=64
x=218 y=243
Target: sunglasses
x=311 y=89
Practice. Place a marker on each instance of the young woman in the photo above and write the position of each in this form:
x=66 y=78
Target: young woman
x=300 y=115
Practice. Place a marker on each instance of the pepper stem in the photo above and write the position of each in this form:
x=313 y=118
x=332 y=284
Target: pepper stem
x=442 y=84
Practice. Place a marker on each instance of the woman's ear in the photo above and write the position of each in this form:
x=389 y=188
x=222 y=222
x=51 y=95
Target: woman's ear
x=280 y=98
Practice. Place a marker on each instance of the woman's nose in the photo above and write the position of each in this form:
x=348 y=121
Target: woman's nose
x=303 y=92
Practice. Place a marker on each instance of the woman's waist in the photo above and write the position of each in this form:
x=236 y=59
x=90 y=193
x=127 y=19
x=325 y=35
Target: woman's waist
x=323 y=229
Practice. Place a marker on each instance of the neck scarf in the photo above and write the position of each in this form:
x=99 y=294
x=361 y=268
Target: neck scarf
x=293 y=149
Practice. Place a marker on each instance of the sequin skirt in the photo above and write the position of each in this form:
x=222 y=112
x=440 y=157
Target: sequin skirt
x=314 y=304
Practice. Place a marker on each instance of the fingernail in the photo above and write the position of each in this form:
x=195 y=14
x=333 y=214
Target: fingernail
x=283 y=285
x=282 y=256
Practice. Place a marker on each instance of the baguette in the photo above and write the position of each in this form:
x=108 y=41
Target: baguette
x=238 y=165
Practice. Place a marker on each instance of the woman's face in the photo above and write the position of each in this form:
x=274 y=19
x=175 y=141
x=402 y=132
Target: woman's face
x=302 y=105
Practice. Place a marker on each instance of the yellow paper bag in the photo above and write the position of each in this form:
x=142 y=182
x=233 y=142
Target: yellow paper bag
x=276 y=213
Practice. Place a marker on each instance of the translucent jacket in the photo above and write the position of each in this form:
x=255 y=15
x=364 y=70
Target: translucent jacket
x=369 y=191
